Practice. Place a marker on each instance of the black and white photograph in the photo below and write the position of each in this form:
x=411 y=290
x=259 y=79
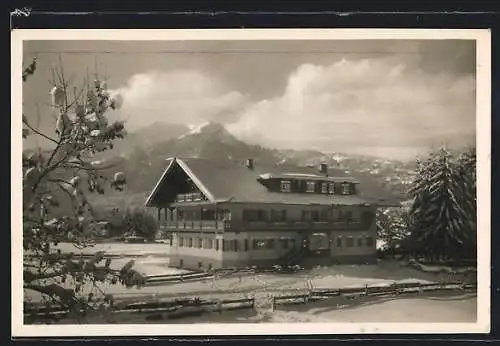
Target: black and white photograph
x=250 y=181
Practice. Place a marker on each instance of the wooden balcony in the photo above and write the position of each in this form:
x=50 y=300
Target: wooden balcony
x=189 y=197
x=197 y=225
x=208 y=225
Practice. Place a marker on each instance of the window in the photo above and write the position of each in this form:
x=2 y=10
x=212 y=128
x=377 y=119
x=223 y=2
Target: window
x=245 y=244
x=331 y=188
x=254 y=215
x=306 y=215
x=286 y=186
x=181 y=241
x=261 y=215
x=209 y=243
x=200 y=243
x=347 y=216
x=339 y=242
x=346 y=189
x=278 y=215
x=350 y=242
x=369 y=241
x=324 y=187
x=315 y=216
x=360 y=241
x=190 y=242
x=230 y=245
x=250 y=215
x=310 y=186
x=216 y=244
x=325 y=214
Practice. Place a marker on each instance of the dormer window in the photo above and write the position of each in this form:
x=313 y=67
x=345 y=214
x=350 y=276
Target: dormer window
x=324 y=187
x=310 y=186
x=286 y=186
x=346 y=189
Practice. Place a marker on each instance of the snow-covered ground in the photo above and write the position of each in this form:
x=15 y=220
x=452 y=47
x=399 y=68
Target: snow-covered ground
x=425 y=308
x=156 y=249
x=236 y=286
x=151 y=259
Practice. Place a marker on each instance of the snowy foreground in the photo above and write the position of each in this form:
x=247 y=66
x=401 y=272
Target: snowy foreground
x=429 y=308
x=444 y=307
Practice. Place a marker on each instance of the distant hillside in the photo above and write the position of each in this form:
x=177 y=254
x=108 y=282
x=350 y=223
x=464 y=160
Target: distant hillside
x=142 y=156
x=145 y=138
x=144 y=164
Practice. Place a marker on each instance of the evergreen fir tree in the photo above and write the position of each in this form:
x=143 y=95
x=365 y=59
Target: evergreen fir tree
x=441 y=214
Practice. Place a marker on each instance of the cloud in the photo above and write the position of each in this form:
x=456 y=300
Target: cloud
x=379 y=105
x=178 y=96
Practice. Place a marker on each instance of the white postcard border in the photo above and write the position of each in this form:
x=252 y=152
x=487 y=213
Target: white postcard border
x=483 y=129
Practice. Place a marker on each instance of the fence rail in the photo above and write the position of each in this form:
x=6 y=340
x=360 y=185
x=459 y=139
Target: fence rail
x=398 y=288
x=178 y=308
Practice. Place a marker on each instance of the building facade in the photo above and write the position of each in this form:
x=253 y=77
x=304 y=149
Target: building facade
x=219 y=215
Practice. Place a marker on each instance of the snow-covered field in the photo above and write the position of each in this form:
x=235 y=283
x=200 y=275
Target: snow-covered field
x=152 y=260
x=157 y=249
x=425 y=308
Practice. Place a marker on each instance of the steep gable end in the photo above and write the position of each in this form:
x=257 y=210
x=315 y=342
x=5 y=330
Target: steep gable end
x=177 y=180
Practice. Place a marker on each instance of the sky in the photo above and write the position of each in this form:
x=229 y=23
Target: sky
x=391 y=98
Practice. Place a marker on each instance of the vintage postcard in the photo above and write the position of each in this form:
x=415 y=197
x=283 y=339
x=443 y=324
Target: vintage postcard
x=243 y=182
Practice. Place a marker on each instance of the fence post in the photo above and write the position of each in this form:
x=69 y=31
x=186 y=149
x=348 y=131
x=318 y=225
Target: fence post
x=420 y=290
x=219 y=306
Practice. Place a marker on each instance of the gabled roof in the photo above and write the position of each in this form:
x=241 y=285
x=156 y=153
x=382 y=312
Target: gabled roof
x=234 y=182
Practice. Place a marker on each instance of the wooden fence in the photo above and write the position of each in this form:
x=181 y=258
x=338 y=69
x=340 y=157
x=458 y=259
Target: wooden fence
x=394 y=289
x=179 y=308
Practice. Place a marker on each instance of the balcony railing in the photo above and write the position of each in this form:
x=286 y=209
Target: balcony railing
x=201 y=225
x=189 y=197
x=264 y=225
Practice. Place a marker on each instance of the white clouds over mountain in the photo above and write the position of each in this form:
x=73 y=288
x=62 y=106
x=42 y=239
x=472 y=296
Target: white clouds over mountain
x=179 y=96
x=377 y=105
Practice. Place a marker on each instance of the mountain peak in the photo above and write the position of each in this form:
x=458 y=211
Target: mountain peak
x=209 y=128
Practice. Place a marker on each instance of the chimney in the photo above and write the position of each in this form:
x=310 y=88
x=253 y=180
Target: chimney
x=323 y=168
x=250 y=163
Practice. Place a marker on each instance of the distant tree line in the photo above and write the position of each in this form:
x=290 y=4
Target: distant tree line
x=440 y=222
x=131 y=222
